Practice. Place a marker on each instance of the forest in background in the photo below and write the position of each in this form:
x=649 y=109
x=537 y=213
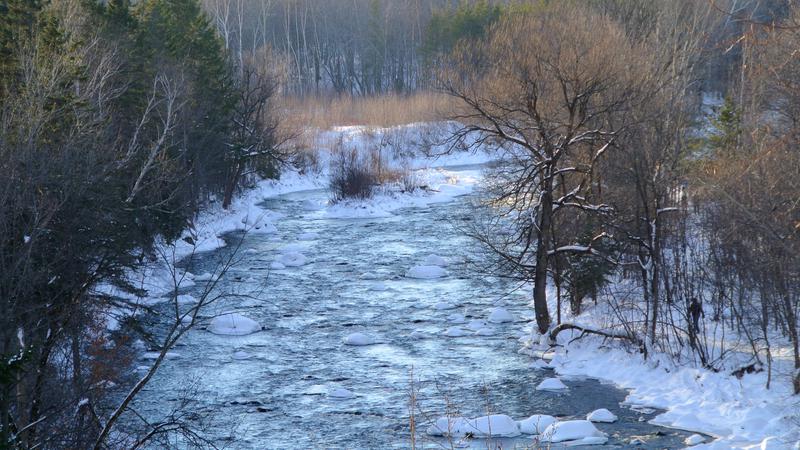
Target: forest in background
x=120 y=120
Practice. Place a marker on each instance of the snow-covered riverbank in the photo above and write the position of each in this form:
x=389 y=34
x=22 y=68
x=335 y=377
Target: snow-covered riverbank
x=739 y=412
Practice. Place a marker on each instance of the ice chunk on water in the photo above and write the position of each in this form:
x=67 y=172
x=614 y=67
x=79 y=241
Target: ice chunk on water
x=426 y=272
x=536 y=424
x=571 y=430
x=341 y=394
x=601 y=415
x=359 y=339
x=233 y=324
x=551 y=384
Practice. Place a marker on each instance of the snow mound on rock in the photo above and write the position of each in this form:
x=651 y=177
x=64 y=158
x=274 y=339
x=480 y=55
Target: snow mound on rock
x=426 y=272
x=602 y=415
x=486 y=331
x=477 y=324
x=277 y=266
x=203 y=277
x=292 y=259
x=500 y=315
x=233 y=324
x=450 y=426
x=456 y=318
x=435 y=260
x=341 y=394
x=496 y=425
x=359 y=339
x=571 y=430
x=242 y=355
x=455 y=332
x=536 y=424
x=551 y=384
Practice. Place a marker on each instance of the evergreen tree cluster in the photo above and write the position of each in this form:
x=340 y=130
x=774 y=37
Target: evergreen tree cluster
x=118 y=119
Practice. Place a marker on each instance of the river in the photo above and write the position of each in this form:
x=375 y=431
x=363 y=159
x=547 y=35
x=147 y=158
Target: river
x=268 y=389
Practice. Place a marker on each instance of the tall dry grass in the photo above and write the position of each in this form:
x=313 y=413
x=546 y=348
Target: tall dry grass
x=378 y=111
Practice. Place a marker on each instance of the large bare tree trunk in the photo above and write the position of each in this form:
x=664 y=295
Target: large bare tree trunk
x=540 y=274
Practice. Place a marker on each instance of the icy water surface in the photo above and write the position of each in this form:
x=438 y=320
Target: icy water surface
x=354 y=281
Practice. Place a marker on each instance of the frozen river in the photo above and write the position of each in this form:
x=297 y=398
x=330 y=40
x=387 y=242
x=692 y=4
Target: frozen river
x=272 y=389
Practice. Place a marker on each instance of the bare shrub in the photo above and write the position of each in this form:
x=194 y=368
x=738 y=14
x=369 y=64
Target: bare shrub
x=352 y=176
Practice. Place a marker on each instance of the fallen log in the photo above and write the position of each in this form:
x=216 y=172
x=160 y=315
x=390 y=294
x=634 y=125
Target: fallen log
x=586 y=330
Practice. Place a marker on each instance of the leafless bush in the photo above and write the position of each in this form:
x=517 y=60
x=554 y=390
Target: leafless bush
x=352 y=176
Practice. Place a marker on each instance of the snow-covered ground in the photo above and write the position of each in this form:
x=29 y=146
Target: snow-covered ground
x=739 y=413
